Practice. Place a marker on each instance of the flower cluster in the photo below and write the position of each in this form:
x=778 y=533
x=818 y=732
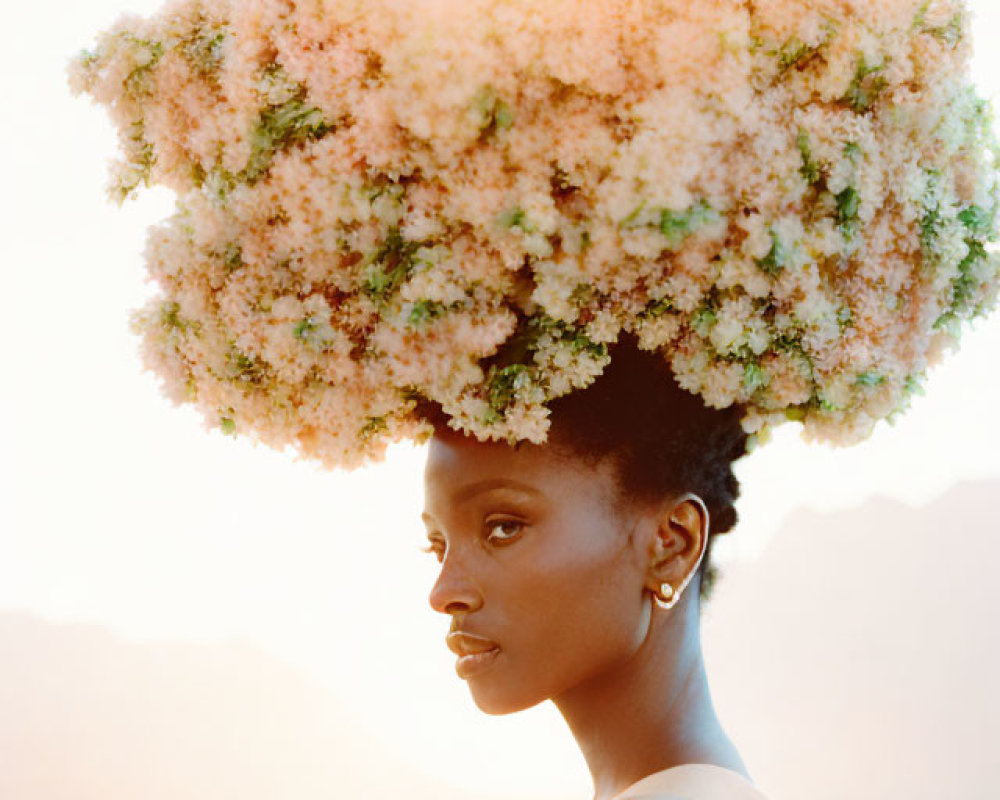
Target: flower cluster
x=380 y=201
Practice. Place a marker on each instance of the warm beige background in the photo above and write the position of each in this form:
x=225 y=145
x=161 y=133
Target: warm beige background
x=856 y=657
x=183 y=615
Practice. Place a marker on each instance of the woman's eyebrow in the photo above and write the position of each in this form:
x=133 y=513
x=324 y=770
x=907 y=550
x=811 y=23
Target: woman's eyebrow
x=466 y=493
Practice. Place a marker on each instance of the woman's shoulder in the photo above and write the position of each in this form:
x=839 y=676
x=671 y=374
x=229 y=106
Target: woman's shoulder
x=693 y=782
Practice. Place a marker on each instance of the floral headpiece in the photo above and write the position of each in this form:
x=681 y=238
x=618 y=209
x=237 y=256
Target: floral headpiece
x=466 y=201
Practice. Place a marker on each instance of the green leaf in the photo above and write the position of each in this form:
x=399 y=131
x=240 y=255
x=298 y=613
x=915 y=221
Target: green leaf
x=629 y=220
x=658 y=308
x=278 y=128
x=865 y=87
x=517 y=218
x=978 y=220
x=243 y=369
x=373 y=426
x=703 y=320
x=870 y=379
x=848 y=203
x=914 y=384
x=966 y=283
x=390 y=265
x=754 y=377
x=845 y=317
x=793 y=52
x=233 y=257
x=677 y=225
x=809 y=170
x=776 y=258
x=796 y=413
x=494 y=113
x=950 y=33
x=504 y=384
x=424 y=310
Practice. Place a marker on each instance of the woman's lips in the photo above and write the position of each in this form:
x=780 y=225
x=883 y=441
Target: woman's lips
x=472 y=664
x=462 y=643
x=475 y=653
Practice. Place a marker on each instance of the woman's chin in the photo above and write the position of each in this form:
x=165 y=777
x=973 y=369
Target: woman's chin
x=494 y=700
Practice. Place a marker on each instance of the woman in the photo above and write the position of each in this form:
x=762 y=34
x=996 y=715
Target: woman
x=575 y=570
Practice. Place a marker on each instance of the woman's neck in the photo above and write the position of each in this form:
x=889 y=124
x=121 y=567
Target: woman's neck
x=650 y=713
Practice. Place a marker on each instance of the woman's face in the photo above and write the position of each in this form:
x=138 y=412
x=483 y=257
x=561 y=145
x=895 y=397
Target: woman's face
x=536 y=557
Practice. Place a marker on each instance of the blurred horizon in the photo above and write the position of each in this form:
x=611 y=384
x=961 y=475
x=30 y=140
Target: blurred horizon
x=817 y=710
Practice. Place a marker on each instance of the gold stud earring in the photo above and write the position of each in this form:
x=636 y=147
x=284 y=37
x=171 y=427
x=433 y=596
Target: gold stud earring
x=670 y=596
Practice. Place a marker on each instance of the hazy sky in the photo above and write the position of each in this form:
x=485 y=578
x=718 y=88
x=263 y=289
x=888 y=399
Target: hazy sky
x=117 y=508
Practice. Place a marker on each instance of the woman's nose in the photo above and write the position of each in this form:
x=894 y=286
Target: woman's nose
x=454 y=591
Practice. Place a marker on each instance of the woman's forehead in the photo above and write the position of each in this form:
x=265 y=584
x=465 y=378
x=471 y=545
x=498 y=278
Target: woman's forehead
x=458 y=464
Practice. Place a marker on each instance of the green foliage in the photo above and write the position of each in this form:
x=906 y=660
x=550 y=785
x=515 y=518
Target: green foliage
x=797 y=413
x=424 y=310
x=494 y=113
x=965 y=284
x=979 y=221
x=372 y=427
x=205 y=50
x=848 y=203
x=870 y=379
x=845 y=317
x=505 y=382
x=950 y=33
x=658 y=308
x=232 y=258
x=810 y=170
x=674 y=225
x=921 y=15
x=278 y=128
x=171 y=320
x=390 y=265
x=313 y=333
x=914 y=384
x=931 y=221
x=629 y=221
x=794 y=52
x=754 y=377
x=146 y=55
x=776 y=258
x=242 y=369
x=703 y=320
x=137 y=168
x=677 y=225
x=865 y=87
x=517 y=218
x=511 y=368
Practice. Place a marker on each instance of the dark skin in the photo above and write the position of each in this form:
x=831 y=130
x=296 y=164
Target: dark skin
x=559 y=572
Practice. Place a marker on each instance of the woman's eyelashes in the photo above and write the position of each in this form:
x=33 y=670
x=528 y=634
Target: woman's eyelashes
x=500 y=524
x=498 y=531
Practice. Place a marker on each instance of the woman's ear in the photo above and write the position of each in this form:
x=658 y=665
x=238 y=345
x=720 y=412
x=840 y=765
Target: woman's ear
x=680 y=542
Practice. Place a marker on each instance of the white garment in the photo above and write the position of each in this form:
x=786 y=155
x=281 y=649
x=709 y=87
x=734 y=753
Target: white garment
x=692 y=782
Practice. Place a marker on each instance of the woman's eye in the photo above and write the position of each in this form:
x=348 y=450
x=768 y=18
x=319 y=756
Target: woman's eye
x=509 y=529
